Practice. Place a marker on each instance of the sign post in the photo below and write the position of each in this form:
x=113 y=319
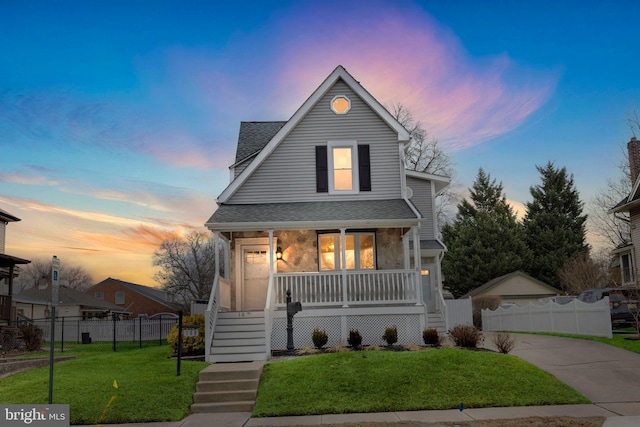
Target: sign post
x=55 y=286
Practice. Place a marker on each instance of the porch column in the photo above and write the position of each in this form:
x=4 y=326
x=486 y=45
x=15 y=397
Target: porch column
x=407 y=251
x=343 y=265
x=271 y=252
x=418 y=265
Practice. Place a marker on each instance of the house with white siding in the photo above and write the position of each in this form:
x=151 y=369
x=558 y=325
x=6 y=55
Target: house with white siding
x=322 y=206
x=626 y=254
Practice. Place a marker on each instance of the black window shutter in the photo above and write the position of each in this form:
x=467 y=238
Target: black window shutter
x=364 y=168
x=322 y=172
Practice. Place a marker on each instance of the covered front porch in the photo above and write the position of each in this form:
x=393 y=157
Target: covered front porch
x=348 y=274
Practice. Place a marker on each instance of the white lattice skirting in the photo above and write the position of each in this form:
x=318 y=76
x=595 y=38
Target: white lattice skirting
x=337 y=323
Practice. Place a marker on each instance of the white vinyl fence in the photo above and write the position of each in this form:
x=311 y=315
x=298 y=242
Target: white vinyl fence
x=105 y=330
x=576 y=317
x=459 y=312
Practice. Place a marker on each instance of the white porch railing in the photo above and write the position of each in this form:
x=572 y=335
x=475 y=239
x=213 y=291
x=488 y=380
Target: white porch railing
x=375 y=287
x=211 y=315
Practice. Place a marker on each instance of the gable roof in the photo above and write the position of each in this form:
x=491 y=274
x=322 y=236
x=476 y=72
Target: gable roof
x=152 y=293
x=334 y=214
x=499 y=280
x=253 y=137
x=66 y=296
x=632 y=200
x=338 y=74
x=7 y=217
x=440 y=181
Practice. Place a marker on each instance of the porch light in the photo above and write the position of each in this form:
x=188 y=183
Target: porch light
x=424 y=272
x=279 y=253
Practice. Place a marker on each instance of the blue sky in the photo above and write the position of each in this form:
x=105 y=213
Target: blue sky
x=118 y=120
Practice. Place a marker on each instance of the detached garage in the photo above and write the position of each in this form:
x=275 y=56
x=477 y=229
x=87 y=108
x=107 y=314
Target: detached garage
x=517 y=287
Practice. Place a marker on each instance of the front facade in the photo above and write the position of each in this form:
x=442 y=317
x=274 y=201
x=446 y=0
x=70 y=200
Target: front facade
x=138 y=300
x=322 y=206
x=626 y=254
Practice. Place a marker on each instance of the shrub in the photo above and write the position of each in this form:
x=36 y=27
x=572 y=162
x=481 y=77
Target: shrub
x=355 y=339
x=32 y=337
x=483 y=302
x=504 y=341
x=319 y=338
x=390 y=335
x=339 y=348
x=191 y=346
x=431 y=337
x=467 y=336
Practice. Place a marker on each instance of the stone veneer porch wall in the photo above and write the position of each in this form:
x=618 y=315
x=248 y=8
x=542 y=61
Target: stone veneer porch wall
x=300 y=249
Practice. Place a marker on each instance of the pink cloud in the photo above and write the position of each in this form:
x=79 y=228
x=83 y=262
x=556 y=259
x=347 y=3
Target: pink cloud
x=407 y=57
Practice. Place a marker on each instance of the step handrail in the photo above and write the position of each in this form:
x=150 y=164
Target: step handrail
x=211 y=315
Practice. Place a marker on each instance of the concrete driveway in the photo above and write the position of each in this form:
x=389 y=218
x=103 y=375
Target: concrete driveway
x=607 y=375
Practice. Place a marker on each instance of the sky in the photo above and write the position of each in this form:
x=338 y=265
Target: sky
x=118 y=120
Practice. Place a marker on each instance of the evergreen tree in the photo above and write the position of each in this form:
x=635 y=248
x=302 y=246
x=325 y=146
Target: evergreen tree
x=484 y=241
x=555 y=226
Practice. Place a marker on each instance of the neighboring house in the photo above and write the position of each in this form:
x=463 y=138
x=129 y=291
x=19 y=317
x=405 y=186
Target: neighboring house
x=322 y=205
x=8 y=271
x=35 y=304
x=135 y=299
x=627 y=254
x=517 y=287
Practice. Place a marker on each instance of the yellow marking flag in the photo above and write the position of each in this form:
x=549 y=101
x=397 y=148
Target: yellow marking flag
x=115 y=384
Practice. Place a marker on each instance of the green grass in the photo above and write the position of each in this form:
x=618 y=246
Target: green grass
x=618 y=340
x=148 y=388
x=380 y=381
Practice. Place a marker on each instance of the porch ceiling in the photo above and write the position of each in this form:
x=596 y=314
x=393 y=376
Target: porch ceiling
x=313 y=215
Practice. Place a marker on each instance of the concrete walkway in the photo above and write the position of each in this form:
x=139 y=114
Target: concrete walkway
x=608 y=376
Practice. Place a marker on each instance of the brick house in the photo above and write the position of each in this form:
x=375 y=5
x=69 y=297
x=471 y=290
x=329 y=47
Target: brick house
x=135 y=299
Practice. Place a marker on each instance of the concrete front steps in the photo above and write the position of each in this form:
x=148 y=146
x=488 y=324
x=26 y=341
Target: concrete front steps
x=239 y=336
x=227 y=387
x=435 y=321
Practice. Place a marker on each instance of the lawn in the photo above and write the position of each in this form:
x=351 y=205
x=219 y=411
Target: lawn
x=148 y=387
x=378 y=381
x=619 y=340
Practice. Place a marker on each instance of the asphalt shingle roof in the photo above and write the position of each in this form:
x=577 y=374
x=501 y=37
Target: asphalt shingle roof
x=357 y=210
x=66 y=296
x=254 y=136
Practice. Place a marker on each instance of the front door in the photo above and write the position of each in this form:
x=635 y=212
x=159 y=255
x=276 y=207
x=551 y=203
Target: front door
x=255 y=277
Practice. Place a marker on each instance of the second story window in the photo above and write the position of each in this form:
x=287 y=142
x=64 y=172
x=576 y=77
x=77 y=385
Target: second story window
x=98 y=295
x=119 y=297
x=342 y=176
x=343 y=167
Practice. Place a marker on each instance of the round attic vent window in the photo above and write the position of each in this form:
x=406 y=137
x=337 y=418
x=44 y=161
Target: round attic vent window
x=340 y=104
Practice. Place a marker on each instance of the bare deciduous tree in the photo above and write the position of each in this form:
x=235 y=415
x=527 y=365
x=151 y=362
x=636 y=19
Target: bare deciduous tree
x=582 y=272
x=425 y=154
x=188 y=266
x=39 y=272
x=613 y=228
x=75 y=277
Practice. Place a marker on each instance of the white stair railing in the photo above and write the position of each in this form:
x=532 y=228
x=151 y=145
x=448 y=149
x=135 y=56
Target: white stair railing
x=211 y=316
